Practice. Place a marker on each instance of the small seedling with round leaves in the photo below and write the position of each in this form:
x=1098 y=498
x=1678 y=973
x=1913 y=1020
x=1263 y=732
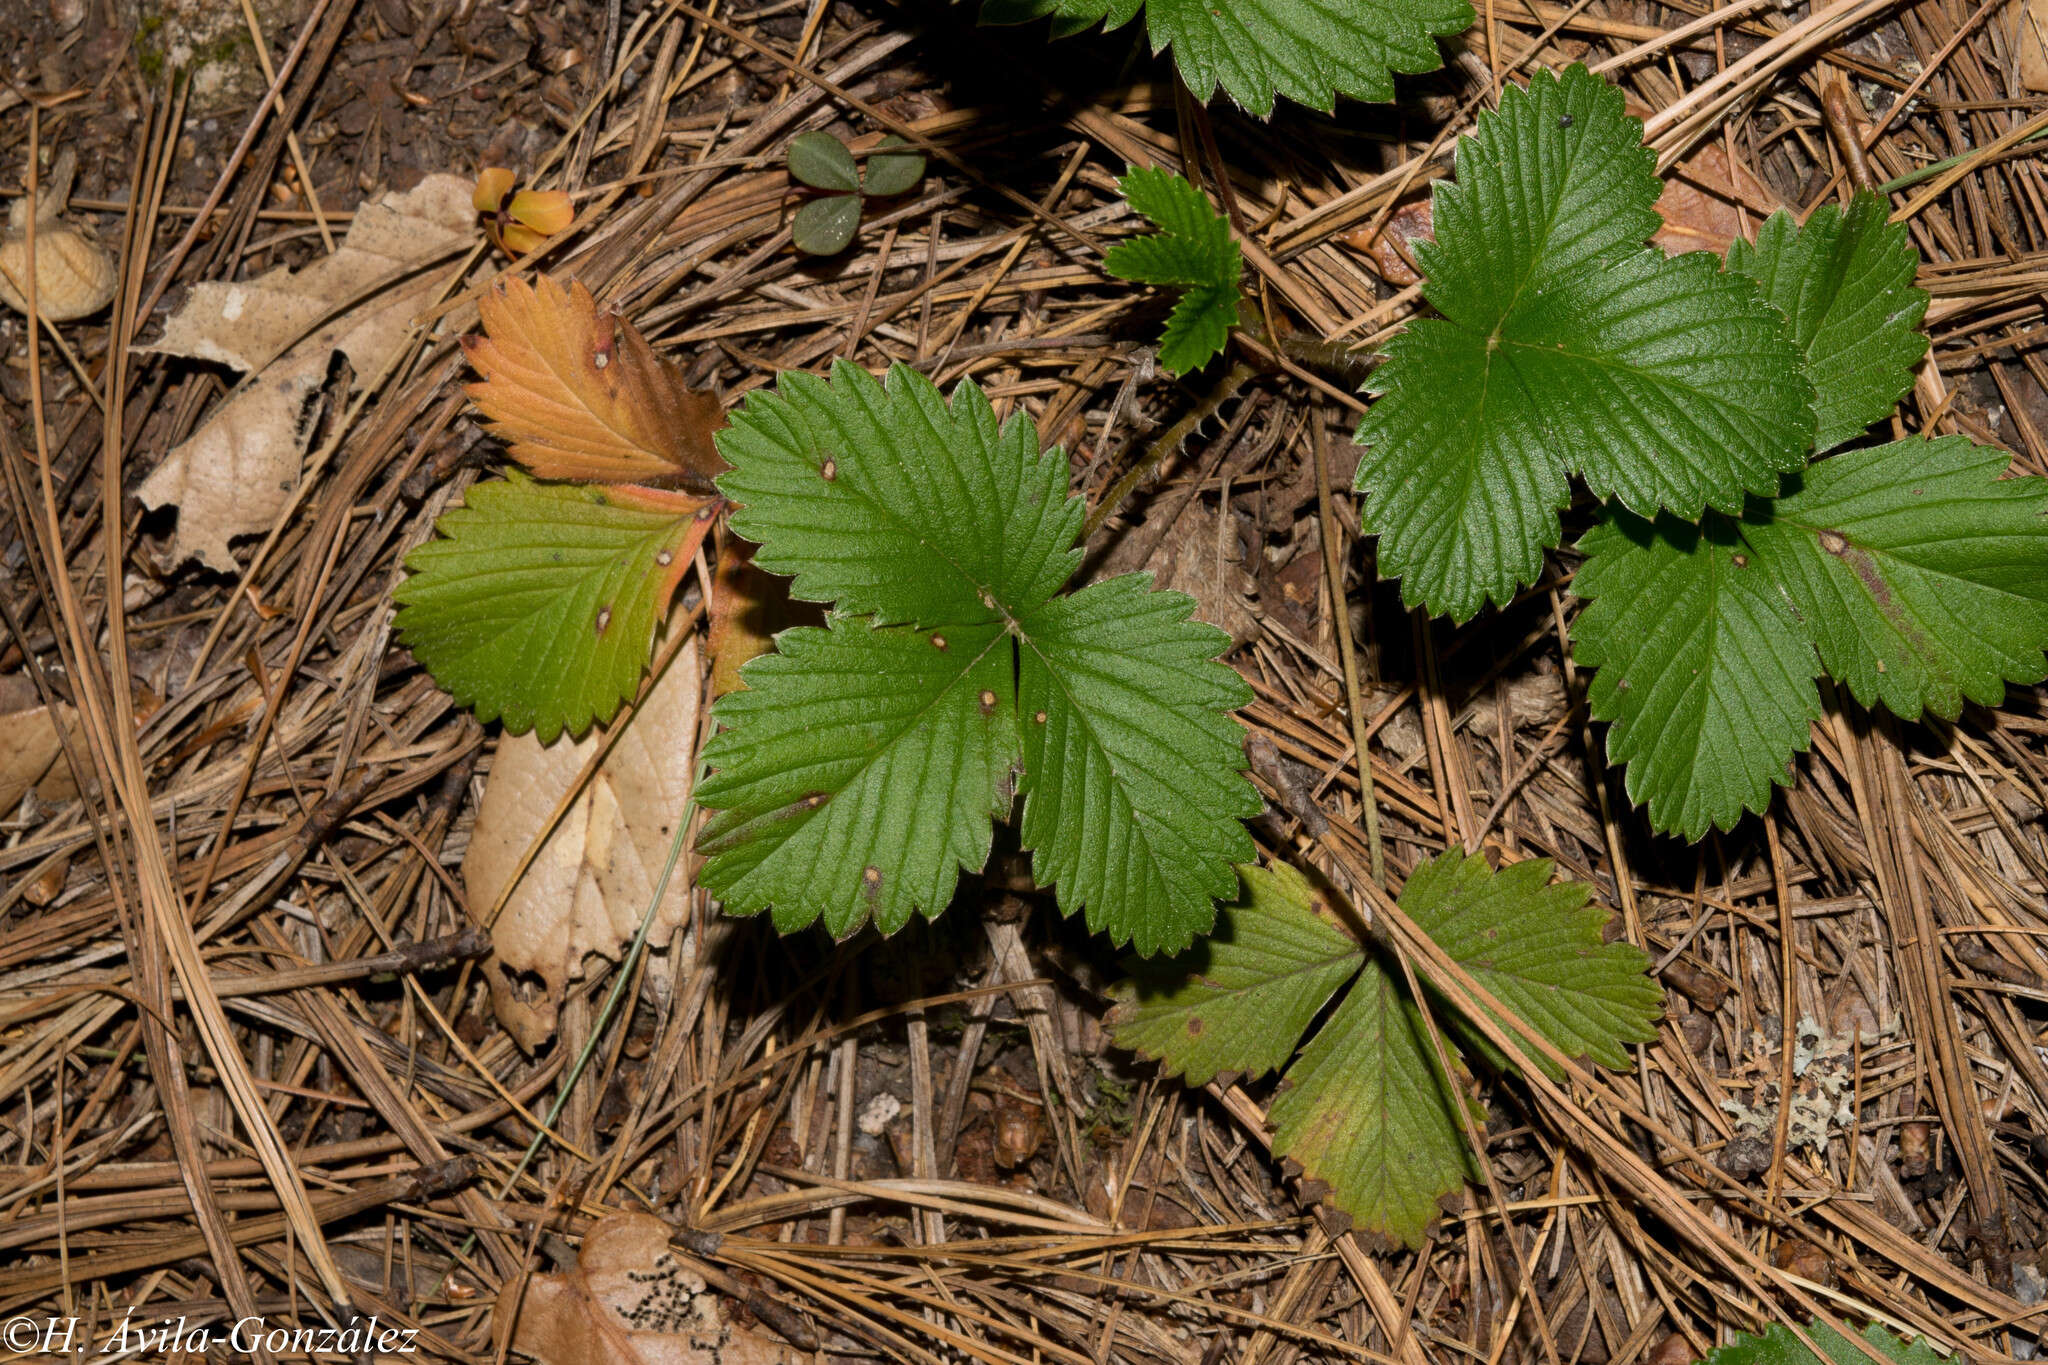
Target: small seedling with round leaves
x=825 y=225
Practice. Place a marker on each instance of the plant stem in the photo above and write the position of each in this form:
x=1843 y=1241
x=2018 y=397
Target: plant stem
x=1166 y=443
x=1333 y=572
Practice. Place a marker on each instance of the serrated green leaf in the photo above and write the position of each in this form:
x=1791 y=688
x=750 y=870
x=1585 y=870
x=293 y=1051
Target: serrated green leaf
x=1239 y=1000
x=1368 y=1112
x=824 y=226
x=1564 y=346
x=907 y=510
x=539 y=602
x=1366 y=1108
x=821 y=161
x=862 y=748
x=1703 y=669
x=1308 y=50
x=1536 y=948
x=1921 y=575
x=1911 y=572
x=1193 y=250
x=1846 y=283
x=1123 y=710
x=1779 y=1347
x=894 y=503
x=888 y=172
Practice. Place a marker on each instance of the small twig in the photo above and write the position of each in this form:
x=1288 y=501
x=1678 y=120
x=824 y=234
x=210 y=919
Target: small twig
x=1166 y=443
x=1354 y=704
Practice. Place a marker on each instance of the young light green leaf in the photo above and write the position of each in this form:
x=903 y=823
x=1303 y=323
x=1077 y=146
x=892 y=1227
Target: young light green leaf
x=909 y=511
x=888 y=172
x=1911 y=572
x=862 y=748
x=1367 y=1108
x=539 y=602
x=1308 y=50
x=1846 y=283
x=1703 y=669
x=1239 y=1000
x=1564 y=345
x=1368 y=1112
x=1586 y=997
x=821 y=161
x=1779 y=1347
x=824 y=226
x=1194 y=250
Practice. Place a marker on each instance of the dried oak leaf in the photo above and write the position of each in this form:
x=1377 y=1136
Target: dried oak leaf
x=628 y=1301
x=237 y=473
x=593 y=878
x=576 y=393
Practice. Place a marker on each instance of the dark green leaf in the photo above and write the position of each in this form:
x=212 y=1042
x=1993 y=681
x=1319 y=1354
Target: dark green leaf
x=824 y=226
x=821 y=161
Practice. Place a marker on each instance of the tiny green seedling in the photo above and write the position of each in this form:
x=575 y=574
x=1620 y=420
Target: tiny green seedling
x=1779 y=1347
x=1192 y=251
x=825 y=225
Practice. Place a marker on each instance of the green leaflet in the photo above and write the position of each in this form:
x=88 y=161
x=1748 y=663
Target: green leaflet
x=1308 y=50
x=1564 y=345
x=1779 y=1347
x=1846 y=283
x=1911 y=572
x=1366 y=1108
x=859 y=771
x=539 y=602
x=1193 y=249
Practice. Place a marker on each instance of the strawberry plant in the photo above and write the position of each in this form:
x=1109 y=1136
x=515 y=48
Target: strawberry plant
x=1310 y=52
x=864 y=763
x=1367 y=1108
x=1779 y=1347
x=1725 y=573
x=1193 y=250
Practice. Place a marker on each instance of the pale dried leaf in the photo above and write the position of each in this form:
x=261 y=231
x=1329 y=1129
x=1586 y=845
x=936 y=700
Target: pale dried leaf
x=237 y=472
x=629 y=1301
x=1204 y=557
x=31 y=750
x=2033 y=20
x=592 y=880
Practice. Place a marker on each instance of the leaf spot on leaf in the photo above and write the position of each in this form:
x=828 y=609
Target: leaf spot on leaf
x=871 y=884
x=1834 y=542
x=1195 y=1026
x=829 y=470
x=1741 y=560
x=938 y=642
x=662 y=557
x=604 y=618
x=1039 y=718
x=988 y=702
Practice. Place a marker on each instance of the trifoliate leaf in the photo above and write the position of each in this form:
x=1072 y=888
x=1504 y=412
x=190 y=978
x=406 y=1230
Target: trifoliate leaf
x=1368 y=1112
x=865 y=748
x=1585 y=996
x=1367 y=1108
x=1565 y=345
x=1240 y=999
x=1704 y=670
x=1779 y=1347
x=1846 y=283
x=856 y=778
x=1911 y=572
x=1308 y=50
x=821 y=161
x=539 y=602
x=1192 y=249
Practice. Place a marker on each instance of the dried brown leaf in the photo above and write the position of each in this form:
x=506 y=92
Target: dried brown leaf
x=748 y=608
x=629 y=1301
x=31 y=749
x=237 y=473
x=576 y=393
x=592 y=880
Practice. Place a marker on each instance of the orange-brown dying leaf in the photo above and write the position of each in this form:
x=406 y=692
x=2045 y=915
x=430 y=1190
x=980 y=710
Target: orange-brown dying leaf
x=749 y=607
x=576 y=393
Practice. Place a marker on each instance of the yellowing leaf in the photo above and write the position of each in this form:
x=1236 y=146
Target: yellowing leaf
x=576 y=393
